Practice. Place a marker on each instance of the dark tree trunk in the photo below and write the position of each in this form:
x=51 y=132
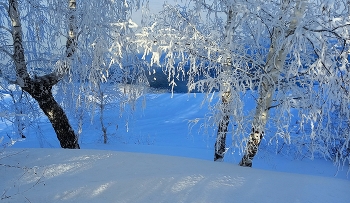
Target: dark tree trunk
x=42 y=93
x=59 y=121
x=220 y=144
x=40 y=87
x=252 y=148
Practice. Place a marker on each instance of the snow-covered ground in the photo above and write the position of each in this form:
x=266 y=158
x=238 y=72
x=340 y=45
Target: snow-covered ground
x=57 y=175
x=154 y=155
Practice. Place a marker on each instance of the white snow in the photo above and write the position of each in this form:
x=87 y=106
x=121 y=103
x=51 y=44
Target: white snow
x=58 y=175
x=156 y=155
x=158 y=160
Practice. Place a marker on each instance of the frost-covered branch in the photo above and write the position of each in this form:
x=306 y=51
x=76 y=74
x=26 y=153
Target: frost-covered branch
x=292 y=54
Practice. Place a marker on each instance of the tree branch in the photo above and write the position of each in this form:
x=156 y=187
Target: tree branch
x=209 y=8
x=6 y=52
x=7 y=79
x=318 y=56
x=4 y=5
x=5 y=28
x=332 y=31
x=276 y=105
x=38 y=59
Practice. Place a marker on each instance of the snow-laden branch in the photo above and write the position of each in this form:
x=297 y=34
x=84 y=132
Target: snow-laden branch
x=331 y=31
x=292 y=54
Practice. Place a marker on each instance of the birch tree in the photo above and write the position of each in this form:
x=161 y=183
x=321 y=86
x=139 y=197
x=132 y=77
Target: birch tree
x=291 y=55
x=39 y=87
x=65 y=45
x=276 y=57
x=109 y=74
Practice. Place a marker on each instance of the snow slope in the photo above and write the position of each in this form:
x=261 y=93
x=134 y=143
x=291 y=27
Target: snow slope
x=163 y=128
x=58 y=175
x=126 y=169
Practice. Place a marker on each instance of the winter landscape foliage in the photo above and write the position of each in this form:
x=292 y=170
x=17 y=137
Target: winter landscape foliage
x=238 y=77
x=291 y=55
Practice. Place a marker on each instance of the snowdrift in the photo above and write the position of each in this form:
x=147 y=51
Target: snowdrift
x=59 y=175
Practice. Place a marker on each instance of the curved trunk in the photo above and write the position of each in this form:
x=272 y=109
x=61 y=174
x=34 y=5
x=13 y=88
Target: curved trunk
x=59 y=120
x=40 y=87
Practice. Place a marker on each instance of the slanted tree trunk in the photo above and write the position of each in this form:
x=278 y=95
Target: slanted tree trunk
x=41 y=92
x=40 y=88
x=220 y=143
x=275 y=61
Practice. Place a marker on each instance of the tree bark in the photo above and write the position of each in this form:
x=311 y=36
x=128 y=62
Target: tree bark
x=251 y=149
x=40 y=88
x=274 y=64
x=220 y=144
x=42 y=93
